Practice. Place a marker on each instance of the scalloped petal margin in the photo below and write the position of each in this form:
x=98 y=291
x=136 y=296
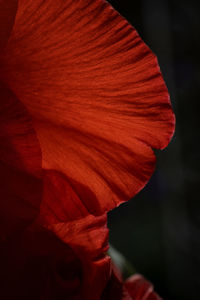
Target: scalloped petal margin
x=95 y=93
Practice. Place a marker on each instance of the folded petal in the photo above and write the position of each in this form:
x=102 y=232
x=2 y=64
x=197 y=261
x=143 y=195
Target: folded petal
x=88 y=238
x=96 y=95
x=20 y=166
x=8 y=11
x=60 y=202
x=68 y=261
x=38 y=265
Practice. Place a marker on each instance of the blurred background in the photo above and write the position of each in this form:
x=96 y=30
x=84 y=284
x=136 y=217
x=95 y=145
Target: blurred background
x=159 y=230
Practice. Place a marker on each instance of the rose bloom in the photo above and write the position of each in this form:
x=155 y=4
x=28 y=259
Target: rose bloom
x=82 y=105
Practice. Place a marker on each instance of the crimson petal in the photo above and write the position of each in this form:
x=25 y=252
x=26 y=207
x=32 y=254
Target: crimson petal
x=37 y=265
x=8 y=11
x=88 y=238
x=96 y=95
x=61 y=202
x=20 y=166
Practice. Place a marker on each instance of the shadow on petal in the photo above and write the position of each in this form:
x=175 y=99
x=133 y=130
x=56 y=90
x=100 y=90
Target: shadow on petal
x=20 y=166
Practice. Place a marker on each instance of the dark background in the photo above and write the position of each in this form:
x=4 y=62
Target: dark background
x=159 y=230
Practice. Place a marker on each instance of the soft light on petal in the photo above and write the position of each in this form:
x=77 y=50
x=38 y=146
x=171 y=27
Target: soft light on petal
x=61 y=201
x=96 y=95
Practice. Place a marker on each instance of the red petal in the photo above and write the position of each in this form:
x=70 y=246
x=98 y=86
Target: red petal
x=37 y=265
x=88 y=238
x=8 y=9
x=60 y=201
x=140 y=289
x=96 y=95
x=20 y=166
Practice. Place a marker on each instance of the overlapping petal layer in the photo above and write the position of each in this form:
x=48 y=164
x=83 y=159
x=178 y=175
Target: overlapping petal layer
x=20 y=166
x=96 y=95
x=88 y=238
x=37 y=265
x=63 y=261
x=61 y=202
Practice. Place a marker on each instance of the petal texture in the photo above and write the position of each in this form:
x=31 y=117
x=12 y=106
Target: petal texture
x=96 y=95
x=8 y=11
x=88 y=238
x=62 y=202
x=20 y=166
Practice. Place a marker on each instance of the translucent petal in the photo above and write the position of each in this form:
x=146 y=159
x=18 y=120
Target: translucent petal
x=96 y=95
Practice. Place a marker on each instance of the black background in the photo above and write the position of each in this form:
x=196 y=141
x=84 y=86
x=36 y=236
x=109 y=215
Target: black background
x=159 y=230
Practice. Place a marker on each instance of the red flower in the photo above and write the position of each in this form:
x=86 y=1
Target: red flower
x=66 y=261
x=82 y=105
